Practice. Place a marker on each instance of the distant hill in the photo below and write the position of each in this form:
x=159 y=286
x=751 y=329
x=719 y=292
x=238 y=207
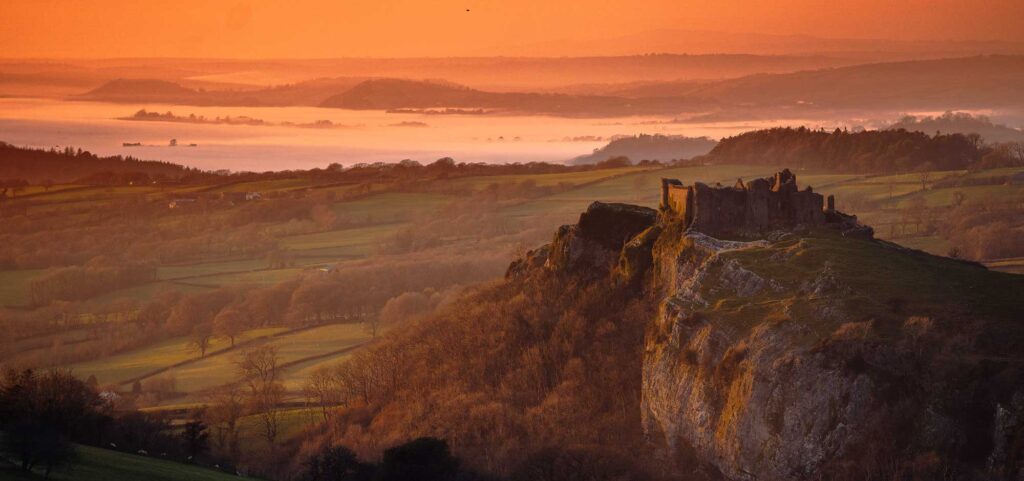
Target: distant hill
x=398 y=93
x=487 y=73
x=962 y=123
x=968 y=82
x=149 y=90
x=718 y=42
x=383 y=94
x=957 y=83
x=650 y=147
x=308 y=93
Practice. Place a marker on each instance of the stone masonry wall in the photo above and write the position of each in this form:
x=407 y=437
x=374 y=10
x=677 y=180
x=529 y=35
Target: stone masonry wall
x=744 y=209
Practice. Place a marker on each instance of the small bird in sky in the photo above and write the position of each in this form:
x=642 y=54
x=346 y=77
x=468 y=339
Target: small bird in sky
x=467 y=9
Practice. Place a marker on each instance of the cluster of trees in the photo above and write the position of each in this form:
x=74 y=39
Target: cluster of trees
x=101 y=274
x=132 y=228
x=664 y=148
x=392 y=94
x=981 y=229
x=43 y=415
x=354 y=294
x=961 y=122
x=422 y=459
x=66 y=165
x=514 y=375
x=28 y=166
x=870 y=151
x=145 y=115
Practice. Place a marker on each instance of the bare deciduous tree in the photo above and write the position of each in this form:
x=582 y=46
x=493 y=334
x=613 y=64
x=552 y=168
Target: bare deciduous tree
x=225 y=407
x=258 y=371
x=200 y=338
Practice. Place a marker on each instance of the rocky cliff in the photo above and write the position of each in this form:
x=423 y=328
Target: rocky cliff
x=807 y=354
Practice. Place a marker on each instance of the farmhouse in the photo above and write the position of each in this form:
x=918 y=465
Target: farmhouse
x=182 y=203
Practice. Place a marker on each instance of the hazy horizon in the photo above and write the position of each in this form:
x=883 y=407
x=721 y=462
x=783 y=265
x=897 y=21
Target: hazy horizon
x=319 y=29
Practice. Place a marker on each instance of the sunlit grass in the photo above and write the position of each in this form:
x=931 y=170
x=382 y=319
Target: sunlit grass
x=218 y=370
x=357 y=241
x=121 y=367
x=389 y=208
x=576 y=178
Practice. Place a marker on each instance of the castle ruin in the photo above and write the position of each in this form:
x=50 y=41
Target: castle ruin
x=748 y=209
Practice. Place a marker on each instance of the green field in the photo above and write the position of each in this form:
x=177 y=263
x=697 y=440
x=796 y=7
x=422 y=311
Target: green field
x=289 y=423
x=641 y=188
x=14 y=286
x=91 y=193
x=121 y=367
x=209 y=268
x=575 y=178
x=353 y=242
x=944 y=197
x=95 y=464
x=388 y=212
x=933 y=244
x=295 y=375
x=146 y=292
x=218 y=370
x=263 y=186
x=261 y=277
x=1015 y=265
x=389 y=208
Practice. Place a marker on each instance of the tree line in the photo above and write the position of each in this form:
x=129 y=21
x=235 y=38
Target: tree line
x=101 y=274
x=868 y=151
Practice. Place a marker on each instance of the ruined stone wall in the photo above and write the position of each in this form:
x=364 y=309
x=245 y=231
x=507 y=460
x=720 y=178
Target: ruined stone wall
x=745 y=209
x=679 y=200
x=718 y=210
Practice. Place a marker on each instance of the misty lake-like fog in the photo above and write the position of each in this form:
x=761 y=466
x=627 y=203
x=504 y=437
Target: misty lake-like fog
x=357 y=136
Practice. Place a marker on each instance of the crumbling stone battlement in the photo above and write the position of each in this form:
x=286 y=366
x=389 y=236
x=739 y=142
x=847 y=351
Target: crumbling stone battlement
x=748 y=209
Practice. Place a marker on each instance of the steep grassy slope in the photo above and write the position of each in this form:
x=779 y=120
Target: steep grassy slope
x=94 y=464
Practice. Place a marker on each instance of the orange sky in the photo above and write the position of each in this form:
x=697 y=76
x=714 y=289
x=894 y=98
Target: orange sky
x=336 y=28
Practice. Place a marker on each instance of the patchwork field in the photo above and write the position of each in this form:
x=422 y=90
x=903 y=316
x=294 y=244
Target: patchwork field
x=389 y=208
x=574 y=178
x=379 y=215
x=218 y=370
x=347 y=242
x=122 y=367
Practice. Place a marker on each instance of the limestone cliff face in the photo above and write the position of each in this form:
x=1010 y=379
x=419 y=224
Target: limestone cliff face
x=810 y=354
x=745 y=395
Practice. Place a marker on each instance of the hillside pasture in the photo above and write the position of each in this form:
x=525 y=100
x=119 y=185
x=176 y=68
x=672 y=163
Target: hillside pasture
x=543 y=180
x=355 y=242
x=122 y=367
x=97 y=464
x=389 y=208
x=218 y=370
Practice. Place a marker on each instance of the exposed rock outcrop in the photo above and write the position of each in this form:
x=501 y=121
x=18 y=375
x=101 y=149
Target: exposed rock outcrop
x=595 y=242
x=804 y=354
